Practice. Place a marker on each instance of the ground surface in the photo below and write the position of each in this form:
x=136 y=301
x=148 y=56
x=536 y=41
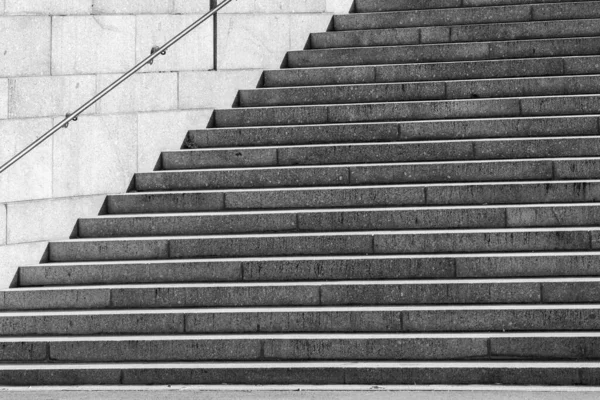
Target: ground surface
x=304 y=393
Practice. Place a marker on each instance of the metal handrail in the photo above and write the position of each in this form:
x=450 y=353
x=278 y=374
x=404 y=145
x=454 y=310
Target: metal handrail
x=155 y=52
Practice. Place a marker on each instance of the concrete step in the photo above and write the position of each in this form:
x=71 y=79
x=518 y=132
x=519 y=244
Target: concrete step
x=341 y=153
x=432 y=90
x=446 y=52
x=577 y=125
x=341 y=319
x=358 y=196
x=456 y=33
x=292 y=269
x=372 y=174
x=504 y=107
x=479 y=69
x=322 y=268
x=334 y=220
x=467 y=15
x=298 y=373
x=286 y=294
x=368 y=6
x=536 y=346
x=328 y=243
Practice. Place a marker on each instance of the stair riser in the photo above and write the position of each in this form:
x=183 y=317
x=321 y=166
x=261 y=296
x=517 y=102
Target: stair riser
x=386 y=132
x=288 y=375
x=464 y=16
x=357 y=244
x=366 y=6
x=131 y=273
x=396 y=349
x=459 y=320
x=311 y=270
x=453 y=34
x=340 y=221
x=312 y=134
x=444 y=52
x=409 y=111
x=255 y=350
x=327 y=295
x=549 y=86
x=358 y=197
x=488 y=171
x=287 y=296
x=382 y=153
x=532 y=67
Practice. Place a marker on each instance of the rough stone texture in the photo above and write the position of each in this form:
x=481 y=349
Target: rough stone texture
x=511 y=127
x=241 y=178
x=138 y=272
x=389 y=92
x=464 y=33
x=192 y=201
x=350 y=220
x=442 y=52
x=268 y=136
x=430 y=205
x=151 y=249
x=482 y=241
x=434 y=17
x=271 y=245
x=91 y=323
x=432 y=71
x=188 y=225
x=384 y=112
x=389 y=195
x=45 y=37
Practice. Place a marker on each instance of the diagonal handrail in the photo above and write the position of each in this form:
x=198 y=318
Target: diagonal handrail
x=156 y=51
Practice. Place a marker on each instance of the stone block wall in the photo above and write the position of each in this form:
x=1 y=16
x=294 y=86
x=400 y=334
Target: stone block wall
x=56 y=54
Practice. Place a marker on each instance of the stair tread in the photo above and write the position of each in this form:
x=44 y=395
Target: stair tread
x=300 y=309
x=339 y=210
x=418 y=83
x=375 y=164
x=320 y=258
x=371 y=5
x=449 y=44
x=565 y=96
x=405 y=282
x=437 y=285
x=518 y=23
x=340 y=233
x=405 y=185
x=383 y=123
x=383 y=143
x=298 y=336
x=304 y=364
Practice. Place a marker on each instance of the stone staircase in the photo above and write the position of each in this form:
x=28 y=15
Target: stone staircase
x=414 y=200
